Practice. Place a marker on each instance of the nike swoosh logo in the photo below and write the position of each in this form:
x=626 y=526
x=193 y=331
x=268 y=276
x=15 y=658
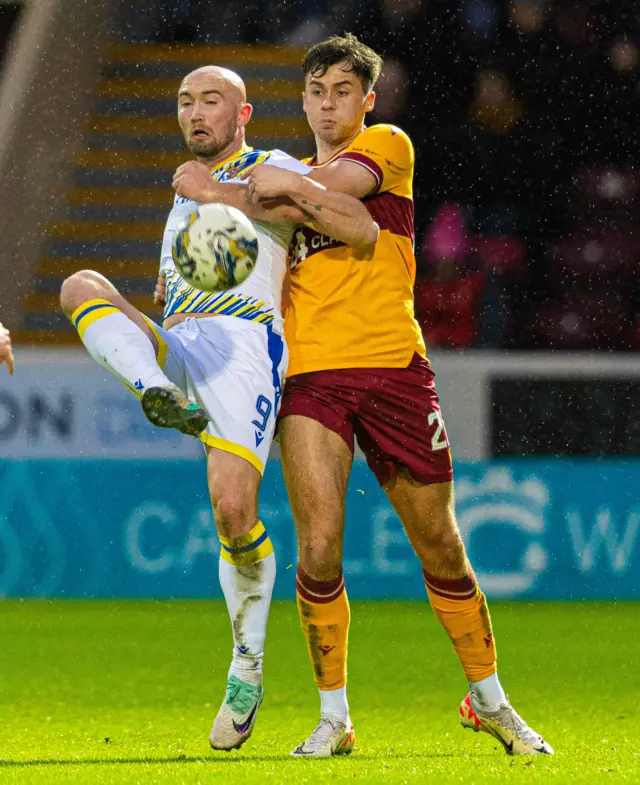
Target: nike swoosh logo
x=300 y=751
x=244 y=727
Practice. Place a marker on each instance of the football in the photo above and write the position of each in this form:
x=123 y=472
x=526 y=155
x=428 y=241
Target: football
x=215 y=248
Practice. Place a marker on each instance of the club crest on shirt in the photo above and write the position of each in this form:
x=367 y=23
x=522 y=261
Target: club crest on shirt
x=230 y=174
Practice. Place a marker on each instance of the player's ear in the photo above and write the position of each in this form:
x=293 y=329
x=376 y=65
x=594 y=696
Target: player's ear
x=369 y=101
x=246 y=110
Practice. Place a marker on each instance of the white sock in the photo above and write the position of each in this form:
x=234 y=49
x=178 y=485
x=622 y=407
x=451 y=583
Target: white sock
x=487 y=694
x=247 y=591
x=121 y=347
x=334 y=703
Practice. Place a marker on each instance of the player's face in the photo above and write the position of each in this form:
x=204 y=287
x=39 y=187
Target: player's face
x=208 y=112
x=335 y=104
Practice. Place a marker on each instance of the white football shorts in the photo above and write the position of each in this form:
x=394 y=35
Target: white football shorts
x=234 y=369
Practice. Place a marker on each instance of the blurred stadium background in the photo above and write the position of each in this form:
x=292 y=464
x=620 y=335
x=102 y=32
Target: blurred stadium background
x=525 y=118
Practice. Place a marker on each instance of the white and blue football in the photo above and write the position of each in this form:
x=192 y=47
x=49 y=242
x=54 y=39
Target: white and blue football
x=215 y=248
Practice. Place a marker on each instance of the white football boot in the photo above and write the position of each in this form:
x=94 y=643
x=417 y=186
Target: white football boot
x=234 y=722
x=331 y=737
x=505 y=725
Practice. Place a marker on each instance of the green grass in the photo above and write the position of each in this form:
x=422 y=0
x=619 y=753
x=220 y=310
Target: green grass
x=105 y=692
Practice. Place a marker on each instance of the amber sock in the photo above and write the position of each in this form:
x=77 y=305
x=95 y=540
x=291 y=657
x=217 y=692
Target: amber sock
x=462 y=609
x=324 y=617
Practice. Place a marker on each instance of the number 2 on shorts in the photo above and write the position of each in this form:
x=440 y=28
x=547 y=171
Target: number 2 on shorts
x=438 y=442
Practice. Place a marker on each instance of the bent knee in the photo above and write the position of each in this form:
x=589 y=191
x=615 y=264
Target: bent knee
x=82 y=286
x=234 y=513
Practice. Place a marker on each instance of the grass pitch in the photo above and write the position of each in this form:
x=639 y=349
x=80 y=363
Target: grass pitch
x=105 y=692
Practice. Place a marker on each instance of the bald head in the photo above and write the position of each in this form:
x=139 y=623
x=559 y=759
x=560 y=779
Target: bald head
x=213 y=112
x=226 y=78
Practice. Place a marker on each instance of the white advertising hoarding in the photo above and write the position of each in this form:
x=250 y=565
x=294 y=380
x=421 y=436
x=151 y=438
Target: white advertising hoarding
x=61 y=404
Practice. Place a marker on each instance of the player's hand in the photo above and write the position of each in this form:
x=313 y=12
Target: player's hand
x=6 y=350
x=269 y=182
x=193 y=181
x=160 y=292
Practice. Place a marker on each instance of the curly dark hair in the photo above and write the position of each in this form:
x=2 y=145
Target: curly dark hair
x=361 y=59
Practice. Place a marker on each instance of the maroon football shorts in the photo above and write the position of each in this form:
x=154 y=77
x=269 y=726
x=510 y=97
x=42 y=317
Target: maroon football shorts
x=393 y=412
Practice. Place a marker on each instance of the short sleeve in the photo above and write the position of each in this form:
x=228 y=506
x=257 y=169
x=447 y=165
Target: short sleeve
x=386 y=151
x=285 y=161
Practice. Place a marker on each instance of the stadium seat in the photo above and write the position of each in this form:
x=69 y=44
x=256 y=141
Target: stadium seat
x=447 y=311
x=596 y=321
x=604 y=185
x=592 y=257
x=501 y=252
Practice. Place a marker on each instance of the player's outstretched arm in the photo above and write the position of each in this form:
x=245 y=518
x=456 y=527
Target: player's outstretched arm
x=339 y=215
x=343 y=218
x=193 y=181
x=6 y=350
x=346 y=177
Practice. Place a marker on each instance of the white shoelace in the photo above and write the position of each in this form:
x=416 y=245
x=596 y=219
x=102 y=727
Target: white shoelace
x=323 y=732
x=509 y=718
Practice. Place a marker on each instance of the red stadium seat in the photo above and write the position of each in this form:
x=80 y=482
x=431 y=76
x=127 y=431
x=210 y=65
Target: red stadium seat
x=447 y=312
x=592 y=256
x=607 y=184
x=591 y=322
x=502 y=252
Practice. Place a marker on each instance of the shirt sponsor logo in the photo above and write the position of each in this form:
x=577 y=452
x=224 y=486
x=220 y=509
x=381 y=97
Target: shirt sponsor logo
x=364 y=150
x=307 y=242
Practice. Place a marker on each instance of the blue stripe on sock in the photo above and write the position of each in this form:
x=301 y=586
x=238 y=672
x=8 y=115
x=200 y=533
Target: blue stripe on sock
x=92 y=308
x=248 y=547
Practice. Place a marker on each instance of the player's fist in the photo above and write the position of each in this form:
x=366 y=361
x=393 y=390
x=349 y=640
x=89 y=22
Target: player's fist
x=193 y=181
x=269 y=182
x=6 y=350
x=160 y=292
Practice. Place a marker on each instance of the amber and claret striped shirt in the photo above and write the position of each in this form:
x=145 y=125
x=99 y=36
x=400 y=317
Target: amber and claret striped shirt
x=347 y=310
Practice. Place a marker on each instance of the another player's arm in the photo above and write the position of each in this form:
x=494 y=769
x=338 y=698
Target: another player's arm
x=346 y=177
x=160 y=292
x=330 y=196
x=6 y=350
x=337 y=214
x=343 y=218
